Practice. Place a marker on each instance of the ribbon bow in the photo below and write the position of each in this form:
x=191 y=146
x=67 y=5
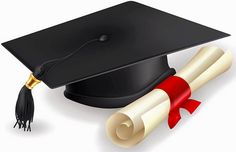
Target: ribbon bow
x=179 y=92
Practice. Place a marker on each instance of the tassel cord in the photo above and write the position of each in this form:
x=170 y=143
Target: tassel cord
x=24 y=110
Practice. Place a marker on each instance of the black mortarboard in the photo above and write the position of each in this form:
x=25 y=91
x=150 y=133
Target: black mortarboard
x=105 y=59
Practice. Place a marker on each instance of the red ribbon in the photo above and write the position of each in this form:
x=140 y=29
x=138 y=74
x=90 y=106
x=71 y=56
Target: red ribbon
x=179 y=92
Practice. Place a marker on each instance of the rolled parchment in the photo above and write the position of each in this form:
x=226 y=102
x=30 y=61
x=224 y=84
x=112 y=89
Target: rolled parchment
x=134 y=122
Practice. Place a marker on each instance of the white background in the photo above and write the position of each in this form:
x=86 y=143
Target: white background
x=61 y=125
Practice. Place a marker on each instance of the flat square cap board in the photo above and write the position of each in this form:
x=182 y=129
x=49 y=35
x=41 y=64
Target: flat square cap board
x=135 y=33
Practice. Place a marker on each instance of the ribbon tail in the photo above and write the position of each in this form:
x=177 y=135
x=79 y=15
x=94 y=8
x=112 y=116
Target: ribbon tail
x=174 y=117
x=190 y=105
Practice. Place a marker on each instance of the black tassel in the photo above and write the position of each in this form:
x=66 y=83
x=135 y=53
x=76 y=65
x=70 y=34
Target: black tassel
x=24 y=109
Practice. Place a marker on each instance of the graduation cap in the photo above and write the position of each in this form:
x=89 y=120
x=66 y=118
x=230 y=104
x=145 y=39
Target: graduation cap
x=106 y=59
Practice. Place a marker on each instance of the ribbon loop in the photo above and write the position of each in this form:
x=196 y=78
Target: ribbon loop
x=179 y=92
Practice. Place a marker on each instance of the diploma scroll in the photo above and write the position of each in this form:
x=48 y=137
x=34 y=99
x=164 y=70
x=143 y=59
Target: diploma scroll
x=134 y=122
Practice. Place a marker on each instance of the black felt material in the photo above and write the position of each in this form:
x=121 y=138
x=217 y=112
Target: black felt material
x=135 y=32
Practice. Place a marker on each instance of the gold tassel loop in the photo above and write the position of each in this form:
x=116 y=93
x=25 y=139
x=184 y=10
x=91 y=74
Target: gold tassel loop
x=32 y=82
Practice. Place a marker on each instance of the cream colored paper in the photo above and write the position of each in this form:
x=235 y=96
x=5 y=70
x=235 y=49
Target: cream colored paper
x=134 y=122
x=200 y=62
x=219 y=67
